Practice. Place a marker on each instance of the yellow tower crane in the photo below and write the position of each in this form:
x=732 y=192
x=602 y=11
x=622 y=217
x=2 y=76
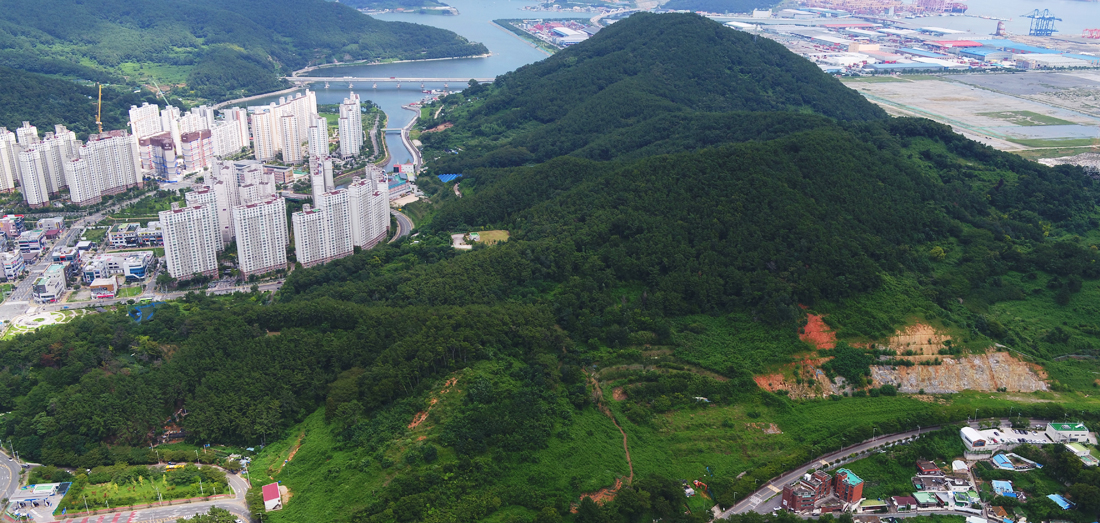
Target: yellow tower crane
x=99 y=110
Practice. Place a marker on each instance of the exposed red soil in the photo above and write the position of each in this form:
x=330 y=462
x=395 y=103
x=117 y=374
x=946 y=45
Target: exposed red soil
x=608 y=493
x=440 y=127
x=423 y=415
x=618 y=394
x=817 y=332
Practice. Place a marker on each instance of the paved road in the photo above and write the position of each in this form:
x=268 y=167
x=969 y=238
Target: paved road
x=767 y=497
x=9 y=475
x=404 y=225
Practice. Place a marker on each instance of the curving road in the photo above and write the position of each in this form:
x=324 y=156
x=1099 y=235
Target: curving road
x=404 y=225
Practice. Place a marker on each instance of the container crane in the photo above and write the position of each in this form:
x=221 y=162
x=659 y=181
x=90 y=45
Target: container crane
x=1042 y=23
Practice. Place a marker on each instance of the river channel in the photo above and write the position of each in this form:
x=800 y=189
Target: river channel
x=475 y=22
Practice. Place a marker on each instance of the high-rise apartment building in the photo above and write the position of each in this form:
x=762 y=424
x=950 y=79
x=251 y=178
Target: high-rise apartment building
x=318 y=136
x=83 y=183
x=261 y=236
x=9 y=161
x=144 y=120
x=32 y=170
x=57 y=148
x=320 y=177
x=351 y=126
x=113 y=159
x=206 y=197
x=197 y=149
x=369 y=210
x=309 y=235
x=27 y=135
x=191 y=241
x=338 y=211
x=292 y=139
x=264 y=135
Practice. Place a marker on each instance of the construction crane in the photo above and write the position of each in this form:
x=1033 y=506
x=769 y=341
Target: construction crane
x=1042 y=24
x=99 y=110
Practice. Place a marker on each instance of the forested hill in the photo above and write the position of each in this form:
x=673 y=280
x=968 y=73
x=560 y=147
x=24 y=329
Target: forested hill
x=640 y=68
x=45 y=101
x=217 y=48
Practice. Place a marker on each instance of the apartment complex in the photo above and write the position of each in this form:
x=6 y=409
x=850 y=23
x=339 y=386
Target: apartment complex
x=356 y=216
x=801 y=494
x=848 y=486
x=281 y=127
x=262 y=236
x=318 y=136
x=351 y=126
x=173 y=143
x=191 y=240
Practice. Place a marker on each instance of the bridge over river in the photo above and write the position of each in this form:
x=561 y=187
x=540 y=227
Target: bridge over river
x=375 y=80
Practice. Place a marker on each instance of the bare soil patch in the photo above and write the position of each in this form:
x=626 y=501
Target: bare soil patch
x=817 y=333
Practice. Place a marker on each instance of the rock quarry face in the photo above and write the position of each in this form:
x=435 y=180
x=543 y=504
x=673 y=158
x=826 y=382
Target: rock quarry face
x=989 y=371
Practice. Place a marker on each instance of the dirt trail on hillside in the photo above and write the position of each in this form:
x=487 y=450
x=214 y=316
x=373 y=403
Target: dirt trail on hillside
x=421 y=416
x=607 y=494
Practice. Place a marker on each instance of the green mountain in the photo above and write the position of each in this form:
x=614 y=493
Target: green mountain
x=665 y=247
x=45 y=101
x=641 y=68
x=206 y=48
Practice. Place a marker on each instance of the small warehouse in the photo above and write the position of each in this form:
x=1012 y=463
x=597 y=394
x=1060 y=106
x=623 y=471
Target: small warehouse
x=985 y=54
x=272 y=498
x=1003 y=488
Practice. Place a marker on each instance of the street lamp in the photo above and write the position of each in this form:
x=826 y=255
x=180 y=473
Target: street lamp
x=873 y=429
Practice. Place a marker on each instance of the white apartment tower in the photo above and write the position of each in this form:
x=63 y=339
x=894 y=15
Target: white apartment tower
x=261 y=236
x=207 y=198
x=27 y=135
x=351 y=126
x=337 y=211
x=57 y=148
x=309 y=235
x=113 y=160
x=320 y=177
x=263 y=135
x=33 y=178
x=83 y=183
x=318 y=136
x=9 y=161
x=144 y=120
x=292 y=139
x=369 y=210
x=191 y=241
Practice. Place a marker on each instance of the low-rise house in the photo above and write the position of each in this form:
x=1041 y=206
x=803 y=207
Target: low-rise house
x=32 y=242
x=104 y=288
x=1067 y=432
x=904 y=503
x=926 y=500
x=131 y=265
x=927 y=468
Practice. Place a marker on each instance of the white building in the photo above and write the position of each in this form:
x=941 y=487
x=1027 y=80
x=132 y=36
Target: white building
x=206 y=197
x=113 y=160
x=13 y=264
x=320 y=177
x=191 y=240
x=369 y=209
x=27 y=135
x=318 y=136
x=144 y=120
x=9 y=163
x=975 y=441
x=32 y=171
x=292 y=139
x=56 y=149
x=351 y=126
x=1067 y=432
x=263 y=135
x=49 y=287
x=197 y=149
x=309 y=235
x=83 y=183
x=261 y=236
x=337 y=211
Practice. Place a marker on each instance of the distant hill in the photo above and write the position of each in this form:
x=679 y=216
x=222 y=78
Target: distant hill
x=637 y=69
x=45 y=101
x=719 y=6
x=391 y=4
x=217 y=48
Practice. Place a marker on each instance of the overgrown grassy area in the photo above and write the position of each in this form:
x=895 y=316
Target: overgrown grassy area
x=1027 y=118
x=717 y=343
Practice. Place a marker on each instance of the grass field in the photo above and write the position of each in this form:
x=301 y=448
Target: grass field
x=1035 y=154
x=129 y=292
x=1060 y=142
x=716 y=343
x=491 y=237
x=94 y=235
x=1026 y=118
